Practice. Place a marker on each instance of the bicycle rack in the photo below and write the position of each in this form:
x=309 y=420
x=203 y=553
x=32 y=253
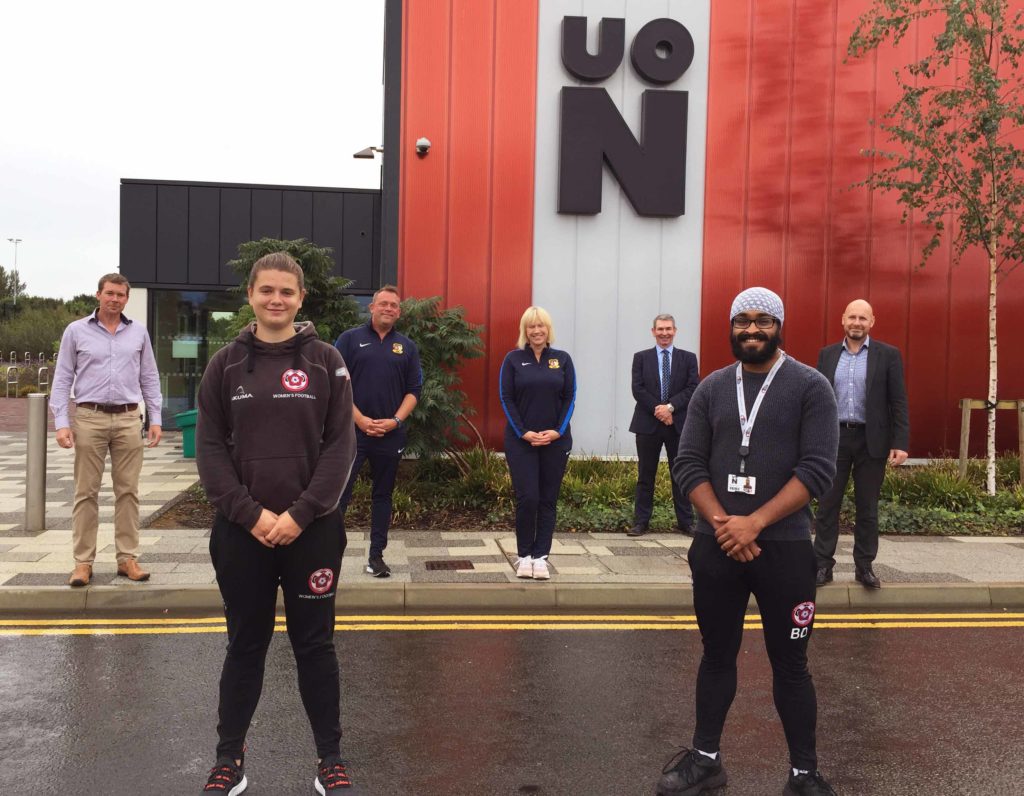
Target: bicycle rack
x=12 y=380
x=43 y=379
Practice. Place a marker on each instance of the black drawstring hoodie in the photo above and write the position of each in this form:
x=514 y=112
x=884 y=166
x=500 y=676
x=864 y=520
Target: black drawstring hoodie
x=275 y=427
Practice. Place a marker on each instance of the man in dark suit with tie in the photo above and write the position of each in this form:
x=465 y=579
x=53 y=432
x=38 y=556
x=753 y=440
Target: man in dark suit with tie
x=664 y=378
x=874 y=427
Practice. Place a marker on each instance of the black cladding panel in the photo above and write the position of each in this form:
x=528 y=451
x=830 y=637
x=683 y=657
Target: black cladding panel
x=357 y=245
x=172 y=234
x=203 y=234
x=266 y=214
x=181 y=234
x=235 y=228
x=328 y=213
x=138 y=232
x=297 y=215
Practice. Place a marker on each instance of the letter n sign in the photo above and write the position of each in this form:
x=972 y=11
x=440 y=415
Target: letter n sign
x=651 y=171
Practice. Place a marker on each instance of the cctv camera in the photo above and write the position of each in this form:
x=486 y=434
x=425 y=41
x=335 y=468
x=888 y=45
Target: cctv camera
x=422 y=146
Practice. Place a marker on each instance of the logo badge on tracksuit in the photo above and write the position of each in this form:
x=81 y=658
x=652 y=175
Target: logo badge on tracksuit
x=553 y=364
x=294 y=380
x=396 y=348
x=321 y=581
x=803 y=614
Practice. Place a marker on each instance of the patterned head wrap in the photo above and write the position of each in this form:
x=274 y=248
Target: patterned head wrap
x=758 y=299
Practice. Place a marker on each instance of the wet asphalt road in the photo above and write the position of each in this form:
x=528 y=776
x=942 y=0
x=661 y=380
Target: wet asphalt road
x=921 y=711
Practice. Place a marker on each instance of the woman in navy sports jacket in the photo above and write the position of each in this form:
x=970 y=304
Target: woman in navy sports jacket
x=538 y=394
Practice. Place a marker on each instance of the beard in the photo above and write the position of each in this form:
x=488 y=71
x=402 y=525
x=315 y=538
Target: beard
x=772 y=343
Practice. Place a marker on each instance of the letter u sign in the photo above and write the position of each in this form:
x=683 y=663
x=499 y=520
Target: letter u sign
x=651 y=171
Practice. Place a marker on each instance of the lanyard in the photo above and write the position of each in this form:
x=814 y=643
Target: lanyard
x=747 y=423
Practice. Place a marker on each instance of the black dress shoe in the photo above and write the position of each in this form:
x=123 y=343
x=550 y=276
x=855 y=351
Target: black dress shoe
x=867 y=578
x=824 y=576
x=637 y=530
x=685 y=528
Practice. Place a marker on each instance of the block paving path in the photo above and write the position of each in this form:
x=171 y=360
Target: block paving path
x=181 y=556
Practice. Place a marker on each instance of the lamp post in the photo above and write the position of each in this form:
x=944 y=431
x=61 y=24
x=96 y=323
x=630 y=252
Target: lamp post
x=15 y=241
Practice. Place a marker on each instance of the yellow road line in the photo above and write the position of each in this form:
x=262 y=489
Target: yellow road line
x=440 y=623
x=499 y=618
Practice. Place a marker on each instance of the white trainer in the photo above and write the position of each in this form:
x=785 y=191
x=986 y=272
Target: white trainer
x=540 y=569
x=524 y=568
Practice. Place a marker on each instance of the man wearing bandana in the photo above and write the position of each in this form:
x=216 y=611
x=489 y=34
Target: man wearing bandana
x=759 y=442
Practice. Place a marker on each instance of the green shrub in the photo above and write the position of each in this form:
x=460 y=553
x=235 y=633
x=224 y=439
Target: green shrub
x=34 y=329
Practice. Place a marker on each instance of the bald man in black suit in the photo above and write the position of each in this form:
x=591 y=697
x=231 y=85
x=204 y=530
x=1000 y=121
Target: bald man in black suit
x=874 y=428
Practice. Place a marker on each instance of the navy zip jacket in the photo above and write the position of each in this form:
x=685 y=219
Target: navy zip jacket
x=538 y=396
x=383 y=371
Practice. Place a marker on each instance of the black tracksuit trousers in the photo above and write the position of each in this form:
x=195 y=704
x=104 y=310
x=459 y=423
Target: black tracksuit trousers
x=248 y=575
x=782 y=581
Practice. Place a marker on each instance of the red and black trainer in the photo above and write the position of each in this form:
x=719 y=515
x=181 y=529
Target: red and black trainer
x=332 y=777
x=226 y=779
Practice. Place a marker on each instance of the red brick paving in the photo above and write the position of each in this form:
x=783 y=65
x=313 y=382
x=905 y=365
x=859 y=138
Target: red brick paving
x=14 y=415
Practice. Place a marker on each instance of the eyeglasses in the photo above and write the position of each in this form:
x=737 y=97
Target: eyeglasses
x=761 y=322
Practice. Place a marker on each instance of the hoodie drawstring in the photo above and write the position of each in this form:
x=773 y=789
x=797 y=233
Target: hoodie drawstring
x=250 y=361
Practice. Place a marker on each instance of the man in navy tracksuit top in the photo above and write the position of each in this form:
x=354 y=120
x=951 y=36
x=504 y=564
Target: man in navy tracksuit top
x=386 y=384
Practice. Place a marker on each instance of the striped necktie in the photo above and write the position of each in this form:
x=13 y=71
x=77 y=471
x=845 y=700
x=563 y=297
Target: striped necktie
x=664 y=376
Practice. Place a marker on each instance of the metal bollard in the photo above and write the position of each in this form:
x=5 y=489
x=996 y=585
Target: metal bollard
x=35 y=463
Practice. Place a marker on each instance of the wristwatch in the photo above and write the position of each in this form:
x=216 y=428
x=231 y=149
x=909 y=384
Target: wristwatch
x=398 y=420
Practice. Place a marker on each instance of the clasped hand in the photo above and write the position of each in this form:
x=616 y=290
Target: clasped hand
x=736 y=535
x=539 y=438
x=273 y=529
x=378 y=428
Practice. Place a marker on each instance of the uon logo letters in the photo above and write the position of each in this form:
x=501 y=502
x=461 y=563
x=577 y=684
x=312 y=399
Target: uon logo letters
x=651 y=171
x=294 y=380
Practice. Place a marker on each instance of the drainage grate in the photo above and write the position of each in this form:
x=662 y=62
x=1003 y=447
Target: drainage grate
x=448 y=564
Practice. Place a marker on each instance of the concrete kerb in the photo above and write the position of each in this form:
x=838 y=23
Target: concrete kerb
x=419 y=597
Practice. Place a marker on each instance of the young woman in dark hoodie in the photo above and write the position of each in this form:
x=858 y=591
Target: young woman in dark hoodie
x=274 y=444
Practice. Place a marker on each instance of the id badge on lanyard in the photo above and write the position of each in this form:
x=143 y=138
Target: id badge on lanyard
x=743 y=482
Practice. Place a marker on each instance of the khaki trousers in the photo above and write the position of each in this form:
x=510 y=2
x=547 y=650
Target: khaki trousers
x=96 y=433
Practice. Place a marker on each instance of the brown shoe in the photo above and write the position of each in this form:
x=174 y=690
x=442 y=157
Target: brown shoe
x=80 y=576
x=129 y=568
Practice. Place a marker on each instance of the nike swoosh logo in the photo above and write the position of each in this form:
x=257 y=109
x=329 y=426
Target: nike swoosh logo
x=363 y=345
x=526 y=363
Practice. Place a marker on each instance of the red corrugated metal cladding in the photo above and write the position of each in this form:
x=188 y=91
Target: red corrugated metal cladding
x=466 y=209
x=788 y=118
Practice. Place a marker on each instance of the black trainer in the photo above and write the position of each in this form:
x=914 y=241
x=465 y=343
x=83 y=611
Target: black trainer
x=810 y=784
x=690 y=773
x=226 y=778
x=376 y=567
x=823 y=576
x=331 y=776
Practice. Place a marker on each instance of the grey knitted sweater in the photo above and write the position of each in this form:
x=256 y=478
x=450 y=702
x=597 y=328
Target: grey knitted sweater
x=796 y=433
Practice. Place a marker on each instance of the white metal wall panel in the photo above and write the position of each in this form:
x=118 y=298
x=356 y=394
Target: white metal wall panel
x=605 y=277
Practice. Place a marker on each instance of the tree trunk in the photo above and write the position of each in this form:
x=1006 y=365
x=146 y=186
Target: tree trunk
x=990 y=436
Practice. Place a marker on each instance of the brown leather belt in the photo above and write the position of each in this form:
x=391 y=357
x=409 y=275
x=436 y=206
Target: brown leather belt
x=110 y=409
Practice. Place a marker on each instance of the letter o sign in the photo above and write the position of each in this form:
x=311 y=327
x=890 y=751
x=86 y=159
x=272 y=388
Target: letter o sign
x=662 y=51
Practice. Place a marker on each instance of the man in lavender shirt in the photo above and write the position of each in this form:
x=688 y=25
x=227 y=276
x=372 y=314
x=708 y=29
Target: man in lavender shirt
x=109 y=360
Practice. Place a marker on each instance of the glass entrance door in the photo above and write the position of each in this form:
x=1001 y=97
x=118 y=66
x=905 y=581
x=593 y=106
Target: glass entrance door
x=187 y=327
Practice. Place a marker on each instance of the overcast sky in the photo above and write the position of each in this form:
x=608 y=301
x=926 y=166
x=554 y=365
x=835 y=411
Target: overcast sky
x=222 y=91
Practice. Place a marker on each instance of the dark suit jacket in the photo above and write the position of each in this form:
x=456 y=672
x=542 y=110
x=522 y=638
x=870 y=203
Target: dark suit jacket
x=647 y=388
x=886 y=415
